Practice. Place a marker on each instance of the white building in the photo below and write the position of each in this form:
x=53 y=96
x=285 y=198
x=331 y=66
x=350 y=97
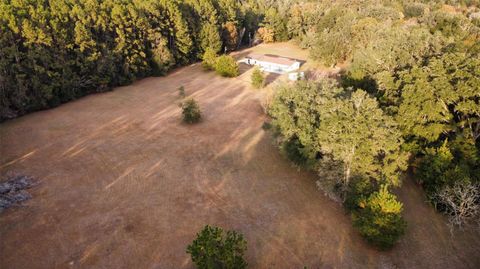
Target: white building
x=272 y=63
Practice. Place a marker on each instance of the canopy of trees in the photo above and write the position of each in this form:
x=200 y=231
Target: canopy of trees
x=58 y=50
x=409 y=95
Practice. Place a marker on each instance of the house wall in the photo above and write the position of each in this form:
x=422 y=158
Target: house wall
x=273 y=67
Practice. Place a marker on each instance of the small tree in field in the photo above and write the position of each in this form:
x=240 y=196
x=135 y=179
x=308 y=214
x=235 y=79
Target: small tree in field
x=226 y=66
x=209 y=59
x=191 y=111
x=181 y=92
x=258 y=81
x=215 y=249
x=379 y=219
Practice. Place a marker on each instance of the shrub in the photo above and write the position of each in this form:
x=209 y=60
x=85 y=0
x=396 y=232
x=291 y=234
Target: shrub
x=215 y=249
x=258 y=81
x=226 y=66
x=379 y=219
x=191 y=111
x=181 y=92
x=209 y=59
x=414 y=10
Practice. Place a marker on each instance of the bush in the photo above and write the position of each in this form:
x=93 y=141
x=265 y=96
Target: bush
x=226 y=66
x=258 y=81
x=414 y=10
x=181 y=92
x=379 y=219
x=191 y=111
x=215 y=249
x=209 y=59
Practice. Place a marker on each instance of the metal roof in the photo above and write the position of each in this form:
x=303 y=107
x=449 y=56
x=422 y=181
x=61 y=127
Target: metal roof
x=272 y=59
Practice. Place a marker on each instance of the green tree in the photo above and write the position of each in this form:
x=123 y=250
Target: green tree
x=441 y=97
x=355 y=131
x=296 y=111
x=191 y=111
x=258 y=80
x=209 y=59
x=277 y=24
x=347 y=127
x=210 y=38
x=390 y=48
x=334 y=39
x=162 y=58
x=226 y=66
x=213 y=248
x=444 y=166
x=379 y=219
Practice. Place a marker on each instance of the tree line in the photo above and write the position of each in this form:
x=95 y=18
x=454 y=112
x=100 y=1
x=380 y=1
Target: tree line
x=54 y=51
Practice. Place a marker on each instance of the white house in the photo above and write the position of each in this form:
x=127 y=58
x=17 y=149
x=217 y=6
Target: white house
x=272 y=63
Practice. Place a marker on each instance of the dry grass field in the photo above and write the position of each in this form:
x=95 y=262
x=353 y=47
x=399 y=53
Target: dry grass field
x=125 y=184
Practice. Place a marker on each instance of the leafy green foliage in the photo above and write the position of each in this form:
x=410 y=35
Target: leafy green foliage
x=277 y=24
x=392 y=48
x=191 y=111
x=334 y=39
x=447 y=165
x=348 y=126
x=438 y=98
x=226 y=66
x=210 y=38
x=55 y=51
x=293 y=149
x=258 y=80
x=379 y=220
x=355 y=146
x=355 y=131
x=209 y=59
x=433 y=167
x=213 y=248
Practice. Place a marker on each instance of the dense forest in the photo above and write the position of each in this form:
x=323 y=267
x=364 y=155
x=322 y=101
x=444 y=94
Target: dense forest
x=408 y=97
x=54 y=51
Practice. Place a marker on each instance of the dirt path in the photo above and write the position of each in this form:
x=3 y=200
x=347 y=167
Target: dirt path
x=126 y=185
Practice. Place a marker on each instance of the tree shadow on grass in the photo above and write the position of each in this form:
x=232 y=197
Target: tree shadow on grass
x=271 y=77
x=243 y=68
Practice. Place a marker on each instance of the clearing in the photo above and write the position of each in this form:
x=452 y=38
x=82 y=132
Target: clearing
x=125 y=184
